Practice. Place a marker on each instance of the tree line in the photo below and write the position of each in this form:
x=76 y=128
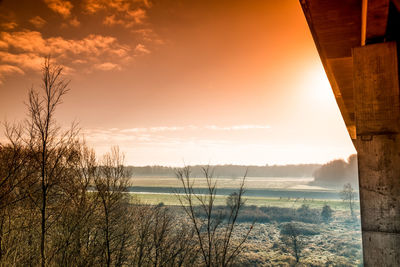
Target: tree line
x=337 y=172
x=231 y=171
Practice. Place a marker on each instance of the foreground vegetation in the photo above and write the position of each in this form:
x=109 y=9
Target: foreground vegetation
x=332 y=242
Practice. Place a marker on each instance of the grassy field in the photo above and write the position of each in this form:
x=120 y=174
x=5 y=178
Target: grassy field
x=293 y=183
x=267 y=183
x=171 y=199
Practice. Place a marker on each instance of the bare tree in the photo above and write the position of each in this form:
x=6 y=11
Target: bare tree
x=160 y=239
x=14 y=160
x=13 y=173
x=50 y=148
x=111 y=185
x=75 y=232
x=292 y=237
x=214 y=228
x=348 y=195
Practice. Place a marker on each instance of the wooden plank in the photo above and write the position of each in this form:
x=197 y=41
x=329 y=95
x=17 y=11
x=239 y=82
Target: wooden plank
x=376 y=89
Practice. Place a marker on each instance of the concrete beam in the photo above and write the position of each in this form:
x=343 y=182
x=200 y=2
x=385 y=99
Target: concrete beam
x=376 y=89
x=374 y=19
x=377 y=114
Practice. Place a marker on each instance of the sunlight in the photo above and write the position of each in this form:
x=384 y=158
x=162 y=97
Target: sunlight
x=318 y=87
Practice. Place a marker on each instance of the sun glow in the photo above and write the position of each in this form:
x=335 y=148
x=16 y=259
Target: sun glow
x=318 y=85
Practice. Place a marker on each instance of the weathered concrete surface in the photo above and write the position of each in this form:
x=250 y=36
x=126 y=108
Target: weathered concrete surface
x=377 y=113
x=376 y=89
x=379 y=179
x=385 y=247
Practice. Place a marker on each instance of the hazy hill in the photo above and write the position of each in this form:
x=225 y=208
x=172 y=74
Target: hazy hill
x=336 y=173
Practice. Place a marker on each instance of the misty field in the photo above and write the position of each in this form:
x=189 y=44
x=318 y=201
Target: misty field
x=260 y=191
x=171 y=200
x=234 y=182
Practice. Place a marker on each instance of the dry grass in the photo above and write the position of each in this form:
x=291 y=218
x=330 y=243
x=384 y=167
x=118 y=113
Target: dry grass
x=338 y=244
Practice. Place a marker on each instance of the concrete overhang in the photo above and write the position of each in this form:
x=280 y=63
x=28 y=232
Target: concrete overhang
x=337 y=27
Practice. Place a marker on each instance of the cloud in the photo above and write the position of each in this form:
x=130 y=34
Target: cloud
x=79 y=61
x=126 y=13
x=60 y=6
x=192 y=127
x=33 y=41
x=147 y=3
x=237 y=127
x=111 y=20
x=3 y=45
x=141 y=49
x=8 y=25
x=134 y=130
x=27 y=41
x=93 y=6
x=38 y=22
x=164 y=128
x=26 y=49
x=93 y=44
x=107 y=66
x=74 y=22
x=146 y=34
x=154 y=129
x=9 y=69
x=128 y=20
x=23 y=61
x=137 y=15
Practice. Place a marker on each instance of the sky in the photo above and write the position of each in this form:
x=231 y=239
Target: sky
x=175 y=82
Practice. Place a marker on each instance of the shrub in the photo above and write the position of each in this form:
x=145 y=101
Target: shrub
x=326 y=213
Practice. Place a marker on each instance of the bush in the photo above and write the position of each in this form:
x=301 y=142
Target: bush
x=326 y=213
x=304 y=229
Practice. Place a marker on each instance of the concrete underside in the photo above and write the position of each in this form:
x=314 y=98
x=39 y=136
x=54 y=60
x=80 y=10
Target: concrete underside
x=358 y=42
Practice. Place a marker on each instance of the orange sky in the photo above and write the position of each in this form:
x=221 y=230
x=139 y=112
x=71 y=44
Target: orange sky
x=180 y=80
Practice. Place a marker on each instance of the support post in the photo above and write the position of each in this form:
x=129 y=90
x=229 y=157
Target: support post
x=377 y=113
